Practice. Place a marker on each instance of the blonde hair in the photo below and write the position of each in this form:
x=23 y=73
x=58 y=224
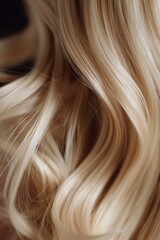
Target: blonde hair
x=80 y=133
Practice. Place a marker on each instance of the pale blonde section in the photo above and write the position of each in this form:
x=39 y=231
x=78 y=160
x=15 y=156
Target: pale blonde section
x=80 y=133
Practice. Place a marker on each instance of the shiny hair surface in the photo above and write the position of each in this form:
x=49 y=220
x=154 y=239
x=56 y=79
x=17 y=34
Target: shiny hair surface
x=80 y=133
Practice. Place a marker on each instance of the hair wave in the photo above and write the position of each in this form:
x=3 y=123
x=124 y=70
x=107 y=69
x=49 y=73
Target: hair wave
x=80 y=133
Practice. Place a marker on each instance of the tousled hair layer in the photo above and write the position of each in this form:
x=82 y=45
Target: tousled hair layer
x=79 y=134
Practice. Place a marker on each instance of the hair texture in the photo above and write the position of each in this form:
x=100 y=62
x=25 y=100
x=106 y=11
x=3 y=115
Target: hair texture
x=80 y=133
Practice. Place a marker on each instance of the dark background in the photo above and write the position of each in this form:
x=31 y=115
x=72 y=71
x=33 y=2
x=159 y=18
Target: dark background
x=13 y=18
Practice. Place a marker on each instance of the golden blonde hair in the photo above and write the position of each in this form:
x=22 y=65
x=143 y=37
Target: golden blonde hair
x=80 y=133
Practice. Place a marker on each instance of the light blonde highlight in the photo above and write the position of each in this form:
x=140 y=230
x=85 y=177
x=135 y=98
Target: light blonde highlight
x=80 y=133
